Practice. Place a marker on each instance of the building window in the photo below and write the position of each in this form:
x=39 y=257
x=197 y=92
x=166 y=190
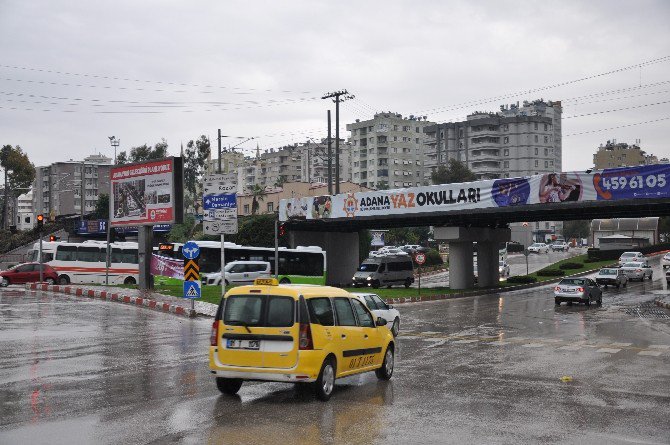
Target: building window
x=537 y=163
x=506 y=164
x=271 y=207
x=546 y=139
x=546 y=152
x=551 y=163
x=536 y=125
x=506 y=152
x=460 y=145
x=546 y=127
x=536 y=151
x=416 y=140
x=506 y=140
x=537 y=138
x=417 y=129
x=546 y=164
x=395 y=138
x=506 y=127
x=460 y=132
x=246 y=209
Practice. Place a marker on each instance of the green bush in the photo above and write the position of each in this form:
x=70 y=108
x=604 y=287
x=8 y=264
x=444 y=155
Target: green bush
x=514 y=247
x=591 y=260
x=522 y=279
x=433 y=258
x=566 y=266
x=551 y=273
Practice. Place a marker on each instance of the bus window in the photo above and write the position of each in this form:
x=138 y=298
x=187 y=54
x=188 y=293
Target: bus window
x=90 y=254
x=130 y=256
x=66 y=253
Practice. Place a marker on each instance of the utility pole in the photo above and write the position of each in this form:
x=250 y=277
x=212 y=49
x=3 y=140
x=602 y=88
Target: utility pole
x=336 y=95
x=83 y=188
x=330 y=160
x=219 y=139
x=115 y=143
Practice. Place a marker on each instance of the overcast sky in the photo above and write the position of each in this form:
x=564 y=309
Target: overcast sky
x=259 y=68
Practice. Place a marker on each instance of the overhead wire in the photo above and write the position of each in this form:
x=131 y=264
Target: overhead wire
x=618 y=126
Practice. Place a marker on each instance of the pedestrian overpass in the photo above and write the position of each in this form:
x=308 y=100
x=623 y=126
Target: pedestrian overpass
x=472 y=212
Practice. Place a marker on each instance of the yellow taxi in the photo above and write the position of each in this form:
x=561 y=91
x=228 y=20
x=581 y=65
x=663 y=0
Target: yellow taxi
x=298 y=334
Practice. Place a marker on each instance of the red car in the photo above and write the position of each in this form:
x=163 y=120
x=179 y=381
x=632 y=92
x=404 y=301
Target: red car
x=28 y=273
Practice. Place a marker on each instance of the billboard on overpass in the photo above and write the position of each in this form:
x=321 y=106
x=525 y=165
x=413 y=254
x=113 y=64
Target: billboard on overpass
x=147 y=193
x=650 y=181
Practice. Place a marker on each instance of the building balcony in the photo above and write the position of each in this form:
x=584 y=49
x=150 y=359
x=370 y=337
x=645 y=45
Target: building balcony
x=485 y=155
x=485 y=166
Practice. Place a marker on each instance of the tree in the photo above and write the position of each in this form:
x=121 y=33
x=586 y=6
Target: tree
x=364 y=240
x=19 y=174
x=195 y=162
x=257 y=195
x=454 y=171
x=180 y=233
x=143 y=153
x=281 y=180
x=382 y=185
x=258 y=231
x=102 y=206
x=664 y=228
x=576 y=229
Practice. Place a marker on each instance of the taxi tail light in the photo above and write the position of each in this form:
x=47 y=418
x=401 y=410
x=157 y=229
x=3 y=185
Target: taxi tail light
x=580 y=289
x=305 y=338
x=557 y=288
x=214 y=336
x=638 y=270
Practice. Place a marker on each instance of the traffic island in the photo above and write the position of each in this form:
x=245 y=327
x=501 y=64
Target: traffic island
x=148 y=300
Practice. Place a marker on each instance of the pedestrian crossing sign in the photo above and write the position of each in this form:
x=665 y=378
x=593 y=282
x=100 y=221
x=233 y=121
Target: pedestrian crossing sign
x=192 y=289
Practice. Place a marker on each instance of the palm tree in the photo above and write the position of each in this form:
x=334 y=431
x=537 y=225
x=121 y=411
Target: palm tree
x=257 y=195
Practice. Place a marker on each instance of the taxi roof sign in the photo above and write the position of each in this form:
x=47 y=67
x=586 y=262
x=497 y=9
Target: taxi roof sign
x=266 y=282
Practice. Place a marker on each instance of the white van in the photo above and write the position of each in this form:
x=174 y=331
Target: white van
x=385 y=271
x=239 y=272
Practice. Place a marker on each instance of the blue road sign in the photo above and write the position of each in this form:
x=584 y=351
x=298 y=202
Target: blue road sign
x=190 y=251
x=192 y=289
x=222 y=201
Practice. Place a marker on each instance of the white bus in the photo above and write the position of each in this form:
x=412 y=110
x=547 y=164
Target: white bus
x=302 y=265
x=84 y=263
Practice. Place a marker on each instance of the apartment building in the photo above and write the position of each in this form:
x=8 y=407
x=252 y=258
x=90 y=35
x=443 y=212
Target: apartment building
x=230 y=162
x=25 y=217
x=63 y=188
x=314 y=161
x=515 y=141
x=387 y=151
x=613 y=154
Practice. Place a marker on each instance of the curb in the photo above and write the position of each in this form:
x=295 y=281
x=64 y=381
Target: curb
x=114 y=296
x=659 y=302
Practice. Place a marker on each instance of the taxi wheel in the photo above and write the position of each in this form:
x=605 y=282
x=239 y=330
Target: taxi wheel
x=395 y=329
x=323 y=387
x=228 y=386
x=386 y=371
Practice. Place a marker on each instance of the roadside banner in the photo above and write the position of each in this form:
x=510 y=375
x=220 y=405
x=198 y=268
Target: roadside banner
x=167 y=267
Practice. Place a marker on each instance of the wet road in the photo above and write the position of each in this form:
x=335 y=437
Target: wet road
x=482 y=370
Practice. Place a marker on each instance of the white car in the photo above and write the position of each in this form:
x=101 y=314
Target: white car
x=379 y=307
x=638 y=270
x=239 y=272
x=665 y=261
x=560 y=245
x=503 y=269
x=631 y=257
x=538 y=248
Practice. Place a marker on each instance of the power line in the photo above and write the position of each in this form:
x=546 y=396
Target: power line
x=617 y=127
x=547 y=87
x=158 y=82
x=617 y=109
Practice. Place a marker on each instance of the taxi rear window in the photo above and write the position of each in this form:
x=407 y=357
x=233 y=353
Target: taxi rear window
x=259 y=310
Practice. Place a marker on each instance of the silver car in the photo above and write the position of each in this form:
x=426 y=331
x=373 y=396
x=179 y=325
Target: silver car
x=381 y=309
x=577 y=290
x=637 y=270
x=612 y=276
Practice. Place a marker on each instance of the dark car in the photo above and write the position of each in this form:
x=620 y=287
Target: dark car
x=28 y=273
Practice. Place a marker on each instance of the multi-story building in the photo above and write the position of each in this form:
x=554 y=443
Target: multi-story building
x=613 y=154
x=516 y=141
x=314 y=161
x=230 y=162
x=387 y=151
x=58 y=188
x=25 y=217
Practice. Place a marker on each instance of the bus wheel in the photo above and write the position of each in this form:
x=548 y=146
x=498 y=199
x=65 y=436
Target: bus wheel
x=129 y=280
x=63 y=279
x=285 y=281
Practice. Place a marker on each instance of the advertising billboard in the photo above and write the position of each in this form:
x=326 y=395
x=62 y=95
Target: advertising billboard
x=147 y=193
x=650 y=181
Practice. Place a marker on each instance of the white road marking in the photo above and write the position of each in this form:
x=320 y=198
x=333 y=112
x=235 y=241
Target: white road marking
x=430 y=332
x=533 y=345
x=437 y=343
x=621 y=345
x=460 y=342
x=609 y=350
x=659 y=347
x=570 y=348
x=652 y=353
x=498 y=343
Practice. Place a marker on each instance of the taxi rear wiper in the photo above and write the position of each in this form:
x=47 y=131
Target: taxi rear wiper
x=240 y=322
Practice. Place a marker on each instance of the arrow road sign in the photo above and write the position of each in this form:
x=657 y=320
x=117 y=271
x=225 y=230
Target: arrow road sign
x=191 y=271
x=192 y=289
x=190 y=250
x=221 y=201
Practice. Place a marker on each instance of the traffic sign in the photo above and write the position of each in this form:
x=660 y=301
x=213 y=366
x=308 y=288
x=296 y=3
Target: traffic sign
x=190 y=250
x=192 y=289
x=220 y=227
x=218 y=214
x=191 y=271
x=420 y=258
x=219 y=201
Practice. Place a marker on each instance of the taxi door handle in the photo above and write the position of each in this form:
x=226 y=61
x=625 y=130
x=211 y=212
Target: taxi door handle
x=366 y=336
x=344 y=336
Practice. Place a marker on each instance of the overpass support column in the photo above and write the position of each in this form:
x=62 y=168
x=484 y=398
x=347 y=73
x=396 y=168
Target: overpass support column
x=460 y=265
x=341 y=252
x=460 y=241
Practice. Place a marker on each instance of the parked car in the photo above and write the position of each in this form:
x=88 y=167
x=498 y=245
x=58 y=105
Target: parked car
x=409 y=248
x=667 y=277
x=503 y=268
x=381 y=309
x=395 y=252
x=385 y=271
x=628 y=257
x=538 y=248
x=577 y=290
x=665 y=261
x=28 y=273
x=612 y=276
x=560 y=245
x=239 y=272
x=637 y=270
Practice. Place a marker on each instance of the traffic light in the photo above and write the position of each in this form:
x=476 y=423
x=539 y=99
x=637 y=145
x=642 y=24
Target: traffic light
x=40 y=221
x=54 y=238
x=282 y=230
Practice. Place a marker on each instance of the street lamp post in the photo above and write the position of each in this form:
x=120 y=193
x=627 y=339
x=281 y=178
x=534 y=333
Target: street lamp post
x=115 y=143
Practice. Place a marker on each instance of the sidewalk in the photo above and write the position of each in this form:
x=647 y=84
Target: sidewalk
x=150 y=300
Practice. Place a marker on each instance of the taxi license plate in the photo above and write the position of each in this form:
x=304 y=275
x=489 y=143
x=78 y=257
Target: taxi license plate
x=253 y=345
